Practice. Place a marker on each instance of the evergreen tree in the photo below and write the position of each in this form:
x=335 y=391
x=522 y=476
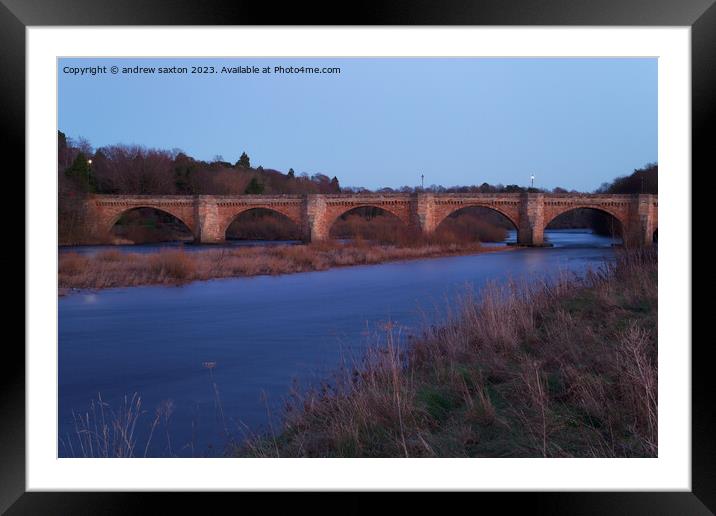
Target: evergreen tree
x=62 y=150
x=254 y=187
x=184 y=169
x=81 y=173
x=335 y=185
x=291 y=173
x=244 y=161
x=61 y=141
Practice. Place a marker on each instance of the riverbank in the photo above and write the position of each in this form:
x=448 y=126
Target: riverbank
x=561 y=370
x=113 y=268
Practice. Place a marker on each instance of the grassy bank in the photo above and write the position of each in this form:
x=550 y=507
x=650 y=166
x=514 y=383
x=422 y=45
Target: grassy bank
x=561 y=370
x=172 y=267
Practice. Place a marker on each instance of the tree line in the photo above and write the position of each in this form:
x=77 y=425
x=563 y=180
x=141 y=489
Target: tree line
x=133 y=169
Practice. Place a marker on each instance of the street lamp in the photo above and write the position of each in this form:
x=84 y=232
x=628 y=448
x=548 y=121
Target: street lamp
x=532 y=178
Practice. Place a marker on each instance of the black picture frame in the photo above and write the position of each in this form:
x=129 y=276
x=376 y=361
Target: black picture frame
x=16 y=15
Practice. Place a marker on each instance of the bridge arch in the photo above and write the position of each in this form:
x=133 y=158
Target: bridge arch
x=466 y=228
x=395 y=219
x=613 y=213
x=117 y=215
x=275 y=211
x=512 y=217
x=335 y=214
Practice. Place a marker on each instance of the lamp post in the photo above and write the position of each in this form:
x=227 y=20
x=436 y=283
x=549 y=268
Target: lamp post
x=532 y=179
x=422 y=181
x=89 y=171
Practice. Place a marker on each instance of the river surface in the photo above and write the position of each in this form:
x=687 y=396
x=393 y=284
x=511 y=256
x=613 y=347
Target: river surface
x=235 y=346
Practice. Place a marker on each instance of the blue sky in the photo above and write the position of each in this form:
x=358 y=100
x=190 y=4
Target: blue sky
x=574 y=123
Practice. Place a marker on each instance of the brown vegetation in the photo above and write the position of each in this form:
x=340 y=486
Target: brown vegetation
x=170 y=267
x=566 y=369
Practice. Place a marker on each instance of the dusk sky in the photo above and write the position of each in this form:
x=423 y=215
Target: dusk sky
x=574 y=123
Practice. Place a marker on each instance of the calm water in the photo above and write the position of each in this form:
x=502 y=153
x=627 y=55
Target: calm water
x=262 y=333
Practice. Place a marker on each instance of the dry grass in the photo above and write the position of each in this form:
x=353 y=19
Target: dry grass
x=565 y=369
x=172 y=267
x=105 y=432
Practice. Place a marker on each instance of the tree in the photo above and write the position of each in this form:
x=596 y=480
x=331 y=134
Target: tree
x=83 y=145
x=184 y=169
x=81 y=173
x=63 y=151
x=291 y=173
x=132 y=169
x=335 y=185
x=254 y=187
x=642 y=180
x=244 y=161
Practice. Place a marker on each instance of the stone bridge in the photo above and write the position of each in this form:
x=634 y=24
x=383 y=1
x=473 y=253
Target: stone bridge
x=209 y=216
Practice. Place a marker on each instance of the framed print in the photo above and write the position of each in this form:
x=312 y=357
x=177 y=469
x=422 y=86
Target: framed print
x=417 y=253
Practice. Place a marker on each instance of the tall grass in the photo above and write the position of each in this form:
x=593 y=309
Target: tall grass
x=104 y=432
x=172 y=267
x=128 y=430
x=175 y=265
x=566 y=368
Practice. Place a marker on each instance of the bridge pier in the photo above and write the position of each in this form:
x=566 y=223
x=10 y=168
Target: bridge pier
x=422 y=213
x=316 y=227
x=532 y=224
x=647 y=219
x=208 y=227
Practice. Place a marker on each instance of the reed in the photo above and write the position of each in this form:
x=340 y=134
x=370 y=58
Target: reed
x=175 y=267
x=566 y=368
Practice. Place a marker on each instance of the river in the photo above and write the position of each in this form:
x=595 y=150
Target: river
x=252 y=337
